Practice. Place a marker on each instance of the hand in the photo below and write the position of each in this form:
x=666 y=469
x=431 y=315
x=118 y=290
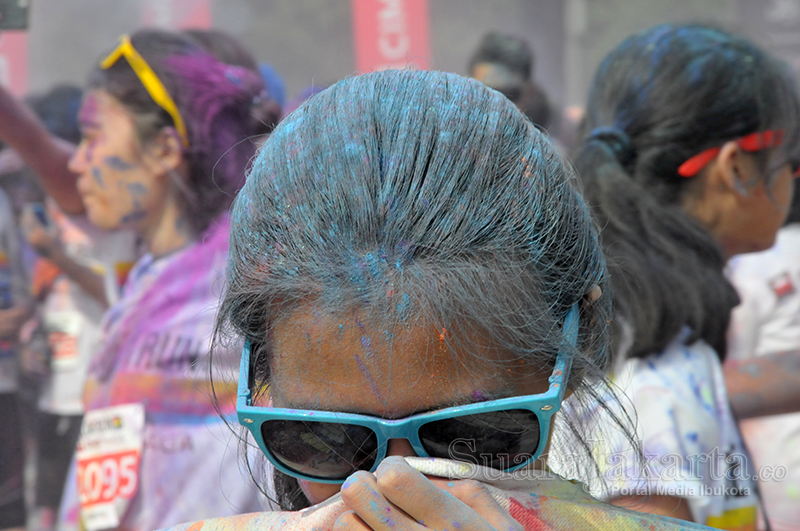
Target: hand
x=12 y=319
x=399 y=498
x=44 y=239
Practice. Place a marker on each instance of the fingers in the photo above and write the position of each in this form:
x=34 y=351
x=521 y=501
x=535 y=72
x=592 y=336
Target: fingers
x=466 y=505
x=361 y=493
x=400 y=498
x=350 y=521
x=474 y=495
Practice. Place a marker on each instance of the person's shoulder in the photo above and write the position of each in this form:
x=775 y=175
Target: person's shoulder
x=759 y=268
x=677 y=357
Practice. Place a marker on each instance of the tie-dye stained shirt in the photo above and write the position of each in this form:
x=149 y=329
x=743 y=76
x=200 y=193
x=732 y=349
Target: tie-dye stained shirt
x=544 y=502
x=155 y=352
x=689 y=438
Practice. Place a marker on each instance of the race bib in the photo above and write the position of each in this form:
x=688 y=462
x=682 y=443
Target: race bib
x=109 y=453
x=62 y=335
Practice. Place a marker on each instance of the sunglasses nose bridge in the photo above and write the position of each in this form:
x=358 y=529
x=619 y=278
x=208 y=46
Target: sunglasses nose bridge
x=399 y=438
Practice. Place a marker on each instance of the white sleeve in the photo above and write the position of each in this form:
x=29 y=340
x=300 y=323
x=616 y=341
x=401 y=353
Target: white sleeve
x=757 y=304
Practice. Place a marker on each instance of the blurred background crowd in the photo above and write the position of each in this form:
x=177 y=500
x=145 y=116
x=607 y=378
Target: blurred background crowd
x=59 y=276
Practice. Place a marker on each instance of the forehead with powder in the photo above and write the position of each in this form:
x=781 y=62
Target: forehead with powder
x=354 y=364
x=87 y=116
x=99 y=107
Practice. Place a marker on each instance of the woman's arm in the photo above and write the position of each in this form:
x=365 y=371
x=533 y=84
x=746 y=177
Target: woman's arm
x=44 y=153
x=767 y=385
x=47 y=244
x=91 y=282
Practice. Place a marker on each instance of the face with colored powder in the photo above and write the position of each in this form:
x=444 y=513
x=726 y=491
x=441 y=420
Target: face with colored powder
x=120 y=184
x=350 y=363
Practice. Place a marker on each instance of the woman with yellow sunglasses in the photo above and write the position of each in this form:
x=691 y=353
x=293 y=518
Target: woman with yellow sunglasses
x=168 y=131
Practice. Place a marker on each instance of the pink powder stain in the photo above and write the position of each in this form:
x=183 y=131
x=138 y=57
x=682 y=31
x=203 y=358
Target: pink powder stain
x=87 y=116
x=528 y=517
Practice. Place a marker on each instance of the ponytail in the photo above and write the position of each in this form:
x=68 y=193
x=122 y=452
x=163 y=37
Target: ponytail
x=665 y=269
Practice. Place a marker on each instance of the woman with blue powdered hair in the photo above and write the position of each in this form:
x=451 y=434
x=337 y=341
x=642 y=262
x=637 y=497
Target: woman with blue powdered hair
x=418 y=285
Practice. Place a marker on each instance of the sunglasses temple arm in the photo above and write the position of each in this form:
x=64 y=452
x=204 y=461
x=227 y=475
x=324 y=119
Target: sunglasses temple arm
x=564 y=360
x=243 y=395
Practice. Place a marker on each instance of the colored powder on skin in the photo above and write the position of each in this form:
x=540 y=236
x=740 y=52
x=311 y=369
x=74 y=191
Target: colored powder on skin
x=478 y=397
x=136 y=215
x=365 y=342
x=137 y=189
x=87 y=116
x=365 y=371
x=98 y=177
x=118 y=164
x=90 y=150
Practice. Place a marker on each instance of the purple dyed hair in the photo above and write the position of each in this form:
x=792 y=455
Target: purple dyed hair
x=216 y=102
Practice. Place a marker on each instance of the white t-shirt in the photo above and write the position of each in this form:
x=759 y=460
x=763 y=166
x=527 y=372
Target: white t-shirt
x=12 y=289
x=766 y=322
x=688 y=436
x=71 y=317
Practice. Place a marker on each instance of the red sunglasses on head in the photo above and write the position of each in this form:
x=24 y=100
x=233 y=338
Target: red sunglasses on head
x=752 y=142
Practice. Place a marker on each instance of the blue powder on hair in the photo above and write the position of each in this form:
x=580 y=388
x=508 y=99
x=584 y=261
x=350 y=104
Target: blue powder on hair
x=373 y=264
x=402 y=306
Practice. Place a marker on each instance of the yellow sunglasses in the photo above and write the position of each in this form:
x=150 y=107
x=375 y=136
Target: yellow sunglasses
x=150 y=80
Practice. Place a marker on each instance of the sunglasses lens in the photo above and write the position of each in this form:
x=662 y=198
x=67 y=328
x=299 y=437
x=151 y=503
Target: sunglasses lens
x=323 y=450
x=498 y=439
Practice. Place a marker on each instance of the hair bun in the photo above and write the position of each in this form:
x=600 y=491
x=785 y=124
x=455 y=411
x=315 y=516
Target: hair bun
x=617 y=140
x=266 y=113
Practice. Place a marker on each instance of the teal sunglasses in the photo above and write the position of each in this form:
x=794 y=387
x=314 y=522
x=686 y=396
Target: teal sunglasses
x=326 y=447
